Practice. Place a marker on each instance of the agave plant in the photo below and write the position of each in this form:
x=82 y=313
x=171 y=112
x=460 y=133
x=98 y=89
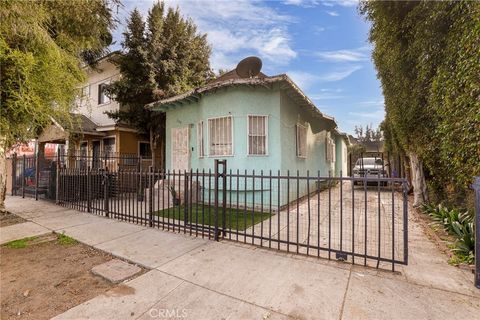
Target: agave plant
x=459 y=224
x=465 y=243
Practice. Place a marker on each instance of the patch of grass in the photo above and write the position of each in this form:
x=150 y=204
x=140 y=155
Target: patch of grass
x=20 y=243
x=64 y=240
x=203 y=214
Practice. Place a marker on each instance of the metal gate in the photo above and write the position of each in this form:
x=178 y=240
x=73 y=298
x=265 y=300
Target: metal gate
x=358 y=220
x=34 y=177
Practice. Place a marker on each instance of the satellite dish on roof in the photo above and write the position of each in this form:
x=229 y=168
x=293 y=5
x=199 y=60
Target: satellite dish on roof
x=249 y=67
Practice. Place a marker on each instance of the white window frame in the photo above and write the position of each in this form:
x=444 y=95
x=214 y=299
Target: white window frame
x=200 y=139
x=266 y=120
x=106 y=99
x=297 y=149
x=210 y=155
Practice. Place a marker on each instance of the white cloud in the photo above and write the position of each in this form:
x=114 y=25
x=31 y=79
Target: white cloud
x=345 y=55
x=325 y=96
x=377 y=115
x=343 y=3
x=332 y=13
x=303 y=79
x=235 y=29
x=339 y=74
x=326 y=3
x=372 y=103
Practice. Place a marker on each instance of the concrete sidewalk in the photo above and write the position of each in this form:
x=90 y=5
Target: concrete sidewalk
x=198 y=278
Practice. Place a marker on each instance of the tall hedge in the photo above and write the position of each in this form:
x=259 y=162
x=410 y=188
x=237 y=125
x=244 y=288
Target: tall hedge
x=427 y=56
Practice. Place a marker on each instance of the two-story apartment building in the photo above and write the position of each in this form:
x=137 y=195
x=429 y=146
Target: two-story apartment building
x=96 y=134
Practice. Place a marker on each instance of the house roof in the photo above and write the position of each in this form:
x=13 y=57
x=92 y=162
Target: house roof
x=79 y=124
x=343 y=135
x=286 y=84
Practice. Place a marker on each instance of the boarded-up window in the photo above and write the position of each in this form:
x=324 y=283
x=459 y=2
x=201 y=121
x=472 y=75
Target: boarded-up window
x=301 y=138
x=200 y=140
x=257 y=135
x=220 y=136
x=329 y=149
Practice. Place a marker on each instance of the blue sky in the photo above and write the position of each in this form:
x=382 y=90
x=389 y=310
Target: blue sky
x=321 y=44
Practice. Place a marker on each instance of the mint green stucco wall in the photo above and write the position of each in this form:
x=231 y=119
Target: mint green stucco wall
x=238 y=102
x=283 y=115
x=291 y=114
x=341 y=155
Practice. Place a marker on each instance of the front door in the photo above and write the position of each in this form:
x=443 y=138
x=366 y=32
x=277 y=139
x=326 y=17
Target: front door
x=180 y=149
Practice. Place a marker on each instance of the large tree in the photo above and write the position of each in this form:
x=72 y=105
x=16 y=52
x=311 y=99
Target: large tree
x=43 y=45
x=164 y=57
x=426 y=55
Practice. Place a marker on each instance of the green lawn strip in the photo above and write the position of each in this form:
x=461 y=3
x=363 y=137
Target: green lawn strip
x=205 y=215
x=20 y=243
x=64 y=240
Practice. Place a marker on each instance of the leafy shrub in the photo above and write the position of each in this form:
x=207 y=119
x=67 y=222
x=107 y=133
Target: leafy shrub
x=459 y=224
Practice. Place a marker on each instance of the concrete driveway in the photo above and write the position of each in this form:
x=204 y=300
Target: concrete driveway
x=200 y=279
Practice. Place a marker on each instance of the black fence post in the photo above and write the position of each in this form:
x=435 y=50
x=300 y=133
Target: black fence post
x=89 y=189
x=224 y=198
x=23 y=177
x=14 y=174
x=151 y=194
x=185 y=199
x=476 y=188
x=405 y=221
x=215 y=201
x=37 y=175
x=105 y=191
x=57 y=179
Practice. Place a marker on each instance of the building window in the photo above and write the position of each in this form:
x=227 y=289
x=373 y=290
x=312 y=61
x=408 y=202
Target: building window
x=220 y=136
x=109 y=146
x=102 y=95
x=85 y=91
x=329 y=149
x=257 y=135
x=301 y=138
x=200 y=140
x=144 y=150
x=83 y=149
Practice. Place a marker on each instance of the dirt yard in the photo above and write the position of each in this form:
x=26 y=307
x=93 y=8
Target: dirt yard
x=8 y=219
x=44 y=276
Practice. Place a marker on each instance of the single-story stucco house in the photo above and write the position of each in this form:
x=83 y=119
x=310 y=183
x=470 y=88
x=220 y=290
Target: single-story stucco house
x=259 y=123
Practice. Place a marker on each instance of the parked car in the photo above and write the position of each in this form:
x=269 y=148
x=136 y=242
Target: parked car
x=370 y=168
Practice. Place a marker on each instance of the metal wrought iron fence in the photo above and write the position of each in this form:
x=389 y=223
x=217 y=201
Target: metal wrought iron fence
x=359 y=220
x=36 y=176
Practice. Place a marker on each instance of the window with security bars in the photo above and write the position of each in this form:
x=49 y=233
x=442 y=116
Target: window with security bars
x=220 y=136
x=257 y=135
x=200 y=140
x=301 y=138
x=329 y=149
x=109 y=146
